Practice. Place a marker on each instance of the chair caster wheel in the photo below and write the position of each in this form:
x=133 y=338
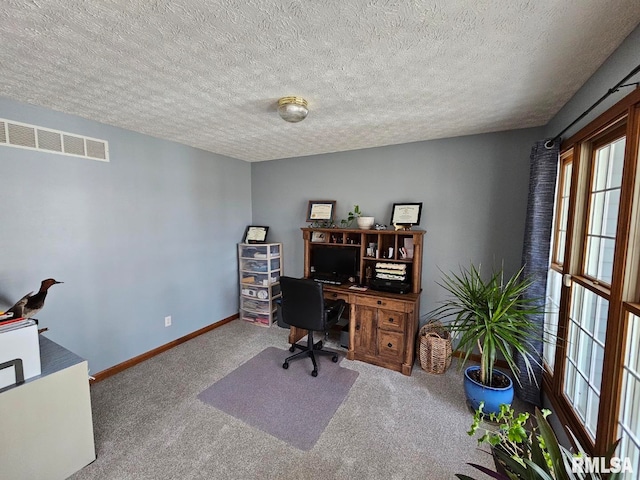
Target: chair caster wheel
x=318 y=346
x=314 y=373
x=334 y=359
x=285 y=365
x=292 y=348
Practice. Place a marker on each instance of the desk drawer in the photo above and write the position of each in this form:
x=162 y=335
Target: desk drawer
x=390 y=345
x=336 y=296
x=391 y=320
x=378 y=302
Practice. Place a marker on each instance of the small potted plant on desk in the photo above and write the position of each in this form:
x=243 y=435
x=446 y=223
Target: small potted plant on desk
x=363 y=222
x=493 y=317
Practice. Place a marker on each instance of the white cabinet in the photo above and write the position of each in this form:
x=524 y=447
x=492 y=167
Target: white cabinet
x=260 y=267
x=46 y=423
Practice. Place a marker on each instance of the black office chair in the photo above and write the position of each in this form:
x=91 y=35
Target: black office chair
x=303 y=306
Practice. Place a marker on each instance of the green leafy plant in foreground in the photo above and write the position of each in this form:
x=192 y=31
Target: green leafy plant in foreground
x=509 y=431
x=532 y=453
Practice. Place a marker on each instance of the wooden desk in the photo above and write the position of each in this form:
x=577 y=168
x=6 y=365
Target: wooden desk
x=382 y=326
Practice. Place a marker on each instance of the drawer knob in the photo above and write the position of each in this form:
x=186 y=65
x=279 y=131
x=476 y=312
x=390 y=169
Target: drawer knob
x=357 y=326
x=389 y=345
x=379 y=302
x=390 y=319
x=334 y=295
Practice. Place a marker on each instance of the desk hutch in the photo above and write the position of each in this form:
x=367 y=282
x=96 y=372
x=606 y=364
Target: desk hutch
x=382 y=325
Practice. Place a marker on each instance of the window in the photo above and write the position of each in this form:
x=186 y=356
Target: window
x=629 y=419
x=562 y=209
x=554 y=277
x=604 y=201
x=585 y=354
x=552 y=309
x=592 y=354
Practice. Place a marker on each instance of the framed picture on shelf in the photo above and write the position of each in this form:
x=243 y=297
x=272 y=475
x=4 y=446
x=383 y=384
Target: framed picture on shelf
x=406 y=214
x=321 y=210
x=255 y=234
x=318 y=236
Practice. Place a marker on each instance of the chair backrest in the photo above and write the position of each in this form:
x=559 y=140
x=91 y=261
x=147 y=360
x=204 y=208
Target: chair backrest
x=302 y=303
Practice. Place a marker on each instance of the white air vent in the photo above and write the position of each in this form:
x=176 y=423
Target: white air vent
x=96 y=149
x=49 y=140
x=73 y=145
x=22 y=135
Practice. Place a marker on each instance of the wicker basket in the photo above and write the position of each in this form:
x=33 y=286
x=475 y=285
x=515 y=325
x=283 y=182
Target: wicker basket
x=435 y=348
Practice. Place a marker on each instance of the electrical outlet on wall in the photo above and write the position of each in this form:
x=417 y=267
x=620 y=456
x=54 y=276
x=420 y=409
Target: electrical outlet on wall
x=167 y=321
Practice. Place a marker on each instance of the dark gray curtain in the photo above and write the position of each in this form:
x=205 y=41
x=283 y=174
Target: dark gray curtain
x=535 y=253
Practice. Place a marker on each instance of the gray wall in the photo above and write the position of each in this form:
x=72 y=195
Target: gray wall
x=150 y=234
x=473 y=189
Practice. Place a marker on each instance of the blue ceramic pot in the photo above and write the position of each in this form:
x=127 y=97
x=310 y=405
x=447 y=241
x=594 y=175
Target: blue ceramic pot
x=491 y=396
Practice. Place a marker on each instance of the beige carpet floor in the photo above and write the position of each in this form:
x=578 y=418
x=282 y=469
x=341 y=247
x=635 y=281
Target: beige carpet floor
x=150 y=424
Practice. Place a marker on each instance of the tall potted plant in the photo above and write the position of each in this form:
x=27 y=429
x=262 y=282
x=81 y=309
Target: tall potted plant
x=493 y=317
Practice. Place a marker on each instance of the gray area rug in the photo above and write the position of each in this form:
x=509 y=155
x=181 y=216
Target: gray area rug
x=288 y=404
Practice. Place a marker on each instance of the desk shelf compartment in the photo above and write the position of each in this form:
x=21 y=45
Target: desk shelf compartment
x=335 y=236
x=259 y=270
x=399 y=247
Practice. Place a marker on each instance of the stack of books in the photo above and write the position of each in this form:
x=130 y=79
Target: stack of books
x=391 y=271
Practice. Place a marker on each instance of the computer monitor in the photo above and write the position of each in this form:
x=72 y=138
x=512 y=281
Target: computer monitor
x=339 y=262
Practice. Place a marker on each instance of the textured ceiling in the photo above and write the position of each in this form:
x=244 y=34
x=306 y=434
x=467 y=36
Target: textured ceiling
x=209 y=73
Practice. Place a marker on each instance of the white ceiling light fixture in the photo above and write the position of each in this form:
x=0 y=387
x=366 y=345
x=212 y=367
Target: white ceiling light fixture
x=292 y=109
